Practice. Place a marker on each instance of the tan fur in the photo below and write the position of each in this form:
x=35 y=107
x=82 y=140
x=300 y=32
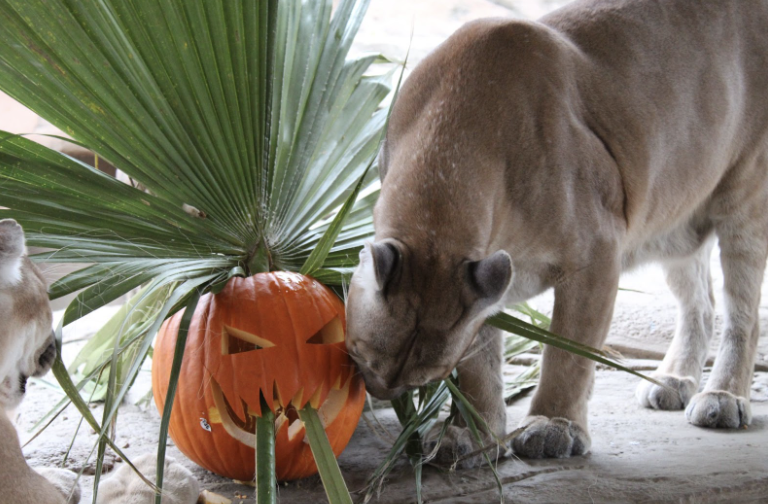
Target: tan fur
x=610 y=134
x=123 y=487
x=26 y=340
x=18 y=482
x=27 y=349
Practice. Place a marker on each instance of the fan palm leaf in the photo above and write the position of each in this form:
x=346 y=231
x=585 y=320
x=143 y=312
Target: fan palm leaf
x=244 y=120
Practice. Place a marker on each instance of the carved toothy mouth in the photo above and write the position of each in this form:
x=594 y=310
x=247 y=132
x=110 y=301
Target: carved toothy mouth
x=244 y=430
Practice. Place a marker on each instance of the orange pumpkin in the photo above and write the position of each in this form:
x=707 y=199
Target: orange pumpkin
x=277 y=335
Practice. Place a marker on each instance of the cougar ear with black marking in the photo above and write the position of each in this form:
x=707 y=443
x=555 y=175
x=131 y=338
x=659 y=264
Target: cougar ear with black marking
x=386 y=259
x=490 y=277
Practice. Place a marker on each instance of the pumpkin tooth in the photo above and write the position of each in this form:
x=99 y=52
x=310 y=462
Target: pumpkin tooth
x=296 y=401
x=315 y=399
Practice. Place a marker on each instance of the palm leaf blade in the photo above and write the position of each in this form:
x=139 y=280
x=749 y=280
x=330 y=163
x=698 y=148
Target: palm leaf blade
x=245 y=122
x=333 y=481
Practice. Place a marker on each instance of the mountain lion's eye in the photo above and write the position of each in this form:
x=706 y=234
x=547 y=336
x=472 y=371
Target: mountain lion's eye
x=332 y=332
x=234 y=341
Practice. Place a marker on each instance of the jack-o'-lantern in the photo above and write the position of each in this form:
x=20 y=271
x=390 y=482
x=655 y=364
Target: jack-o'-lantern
x=279 y=336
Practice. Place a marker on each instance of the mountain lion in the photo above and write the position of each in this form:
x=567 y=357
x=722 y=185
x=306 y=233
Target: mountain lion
x=524 y=156
x=27 y=349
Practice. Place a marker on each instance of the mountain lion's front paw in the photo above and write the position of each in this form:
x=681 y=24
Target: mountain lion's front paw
x=675 y=397
x=719 y=409
x=126 y=487
x=551 y=438
x=64 y=481
x=457 y=443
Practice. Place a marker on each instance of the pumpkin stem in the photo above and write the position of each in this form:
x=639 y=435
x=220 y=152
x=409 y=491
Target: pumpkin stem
x=260 y=259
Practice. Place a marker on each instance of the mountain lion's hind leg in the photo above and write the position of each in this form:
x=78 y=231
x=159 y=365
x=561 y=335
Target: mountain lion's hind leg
x=724 y=402
x=690 y=281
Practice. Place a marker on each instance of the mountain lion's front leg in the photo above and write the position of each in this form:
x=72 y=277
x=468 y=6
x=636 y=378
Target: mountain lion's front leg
x=556 y=425
x=481 y=382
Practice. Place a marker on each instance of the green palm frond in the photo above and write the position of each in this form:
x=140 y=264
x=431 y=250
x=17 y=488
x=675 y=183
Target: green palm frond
x=244 y=120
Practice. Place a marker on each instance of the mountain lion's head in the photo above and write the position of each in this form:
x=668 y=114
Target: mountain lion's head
x=412 y=316
x=26 y=340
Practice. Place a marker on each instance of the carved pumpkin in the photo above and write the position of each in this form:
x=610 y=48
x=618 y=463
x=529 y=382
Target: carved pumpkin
x=276 y=335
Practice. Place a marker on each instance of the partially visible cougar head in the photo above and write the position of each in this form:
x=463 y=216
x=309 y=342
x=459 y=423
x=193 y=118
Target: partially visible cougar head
x=412 y=315
x=26 y=340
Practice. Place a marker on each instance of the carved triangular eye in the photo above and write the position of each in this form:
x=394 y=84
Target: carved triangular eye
x=332 y=332
x=234 y=341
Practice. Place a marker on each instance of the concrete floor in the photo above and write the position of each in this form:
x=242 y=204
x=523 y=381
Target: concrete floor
x=638 y=455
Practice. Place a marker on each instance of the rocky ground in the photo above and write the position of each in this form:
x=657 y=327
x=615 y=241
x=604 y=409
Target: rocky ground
x=638 y=455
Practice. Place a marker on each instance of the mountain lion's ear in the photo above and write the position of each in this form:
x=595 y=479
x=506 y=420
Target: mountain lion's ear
x=386 y=259
x=490 y=277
